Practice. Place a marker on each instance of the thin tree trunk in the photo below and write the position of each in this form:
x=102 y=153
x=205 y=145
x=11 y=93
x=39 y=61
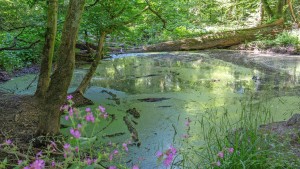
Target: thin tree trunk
x=49 y=122
x=48 y=49
x=262 y=12
x=292 y=12
x=267 y=8
x=87 y=78
x=280 y=5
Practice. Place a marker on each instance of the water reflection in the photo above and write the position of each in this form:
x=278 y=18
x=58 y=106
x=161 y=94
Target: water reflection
x=168 y=73
x=195 y=84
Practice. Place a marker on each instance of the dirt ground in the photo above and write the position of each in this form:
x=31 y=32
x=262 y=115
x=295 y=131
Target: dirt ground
x=18 y=119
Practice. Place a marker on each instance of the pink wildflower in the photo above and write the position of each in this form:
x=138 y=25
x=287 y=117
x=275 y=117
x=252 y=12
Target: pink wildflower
x=79 y=126
x=67 y=146
x=88 y=109
x=111 y=157
x=75 y=132
x=173 y=150
x=170 y=155
x=67 y=118
x=69 y=97
x=89 y=161
x=95 y=160
x=116 y=151
x=102 y=109
x=53 y=164
x=187 y=123
x=135 y=167
x=104 y=115
x=159 y=154
x=76 y=149
x=53 y=146
x=218 y=163
x=125 y=146
x=8 y=142
x=39 y=154
x=90 y=117
x=38 y=164
x=64 y=107
x=112 y=167
x=20 y=162
x=221 y=154
x=168 y=160
x=71 y=111
x=230 y=150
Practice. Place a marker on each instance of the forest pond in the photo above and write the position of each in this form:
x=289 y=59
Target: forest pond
x=169 y=88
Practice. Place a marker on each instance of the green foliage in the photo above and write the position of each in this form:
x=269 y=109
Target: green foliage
x=21 y=25
x=78 y=149
x=9 y=61
x=252 y=148
x=286 y=39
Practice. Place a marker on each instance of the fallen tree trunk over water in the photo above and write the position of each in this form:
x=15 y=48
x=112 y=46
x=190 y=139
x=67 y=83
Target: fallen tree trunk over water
x=218 y=40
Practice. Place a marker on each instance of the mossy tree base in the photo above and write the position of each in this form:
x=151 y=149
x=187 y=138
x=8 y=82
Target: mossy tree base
x=80 y=100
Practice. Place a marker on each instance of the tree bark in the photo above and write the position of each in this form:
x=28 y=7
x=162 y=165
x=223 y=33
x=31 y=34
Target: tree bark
x=87 y=78
x=262 y=13
x=293 y=13
x=49 y=121
x=48 y=49
x=268 y=8
x=280 y=5
x=218 y=40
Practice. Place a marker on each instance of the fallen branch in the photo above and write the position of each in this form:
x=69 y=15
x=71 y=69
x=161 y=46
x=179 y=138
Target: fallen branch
x=157 y=14
x=13 y=47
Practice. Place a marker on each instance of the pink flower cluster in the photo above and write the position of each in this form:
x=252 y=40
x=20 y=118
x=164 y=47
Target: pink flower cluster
x=167 y=156
x=37 y=164
x=75 y=132
x=103 y=112
x=90 y=161
x=221 y=155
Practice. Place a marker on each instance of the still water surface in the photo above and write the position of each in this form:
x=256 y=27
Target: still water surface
x=191 y=84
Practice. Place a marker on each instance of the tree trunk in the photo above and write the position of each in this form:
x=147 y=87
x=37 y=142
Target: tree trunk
x=293 y=13
x=79 y=99
x=268 y=8
x=218 y=40
x=261 y=13
x=48 y=49
x=280 y=5
x=87 y=78
x=49 y=121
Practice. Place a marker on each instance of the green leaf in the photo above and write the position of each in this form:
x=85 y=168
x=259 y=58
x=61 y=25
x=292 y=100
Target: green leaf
x=75 y=166
x=89 y=167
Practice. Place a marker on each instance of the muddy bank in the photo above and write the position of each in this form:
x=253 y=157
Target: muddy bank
x=18 y=117
x=290 y=50
x=5 y=76
x=285 y=132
